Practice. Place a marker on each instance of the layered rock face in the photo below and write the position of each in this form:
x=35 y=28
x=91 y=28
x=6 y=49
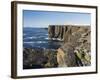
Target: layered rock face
x=57 y=31
x=75 y=50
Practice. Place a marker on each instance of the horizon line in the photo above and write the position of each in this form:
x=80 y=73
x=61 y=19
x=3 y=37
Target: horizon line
x=59 y=25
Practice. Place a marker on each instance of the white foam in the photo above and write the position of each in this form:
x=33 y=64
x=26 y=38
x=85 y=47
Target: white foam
x=46 y=34
x=40 y=42
x=35 y=42
x=47 y=38
x=29 y=42
x=30 y=37
x=56 y=39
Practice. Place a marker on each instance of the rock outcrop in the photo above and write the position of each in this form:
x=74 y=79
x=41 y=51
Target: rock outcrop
x=39 y=58
x=75 y=50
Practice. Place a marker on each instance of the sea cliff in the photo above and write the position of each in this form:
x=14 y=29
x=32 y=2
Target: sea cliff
x=75 y=49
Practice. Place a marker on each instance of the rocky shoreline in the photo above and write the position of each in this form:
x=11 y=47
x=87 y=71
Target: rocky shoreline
x=39 y=58
x=75 y=49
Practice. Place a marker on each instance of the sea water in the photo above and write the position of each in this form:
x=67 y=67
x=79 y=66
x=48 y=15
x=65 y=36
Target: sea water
x=38 y=38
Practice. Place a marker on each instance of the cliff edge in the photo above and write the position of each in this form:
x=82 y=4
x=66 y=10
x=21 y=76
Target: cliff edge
x=75 y=50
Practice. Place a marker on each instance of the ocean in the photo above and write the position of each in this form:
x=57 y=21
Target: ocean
x=38 y=38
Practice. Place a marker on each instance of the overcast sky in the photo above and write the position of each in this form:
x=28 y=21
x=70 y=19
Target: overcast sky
x=44 y=18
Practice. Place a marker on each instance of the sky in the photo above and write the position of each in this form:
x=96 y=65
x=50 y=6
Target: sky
x=33 y=18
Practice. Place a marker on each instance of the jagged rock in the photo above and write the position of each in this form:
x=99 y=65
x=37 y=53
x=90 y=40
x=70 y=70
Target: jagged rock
x=39 y=58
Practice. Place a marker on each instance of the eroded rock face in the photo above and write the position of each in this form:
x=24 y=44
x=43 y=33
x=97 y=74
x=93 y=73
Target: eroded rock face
x=57 y=31
x=75 y=50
